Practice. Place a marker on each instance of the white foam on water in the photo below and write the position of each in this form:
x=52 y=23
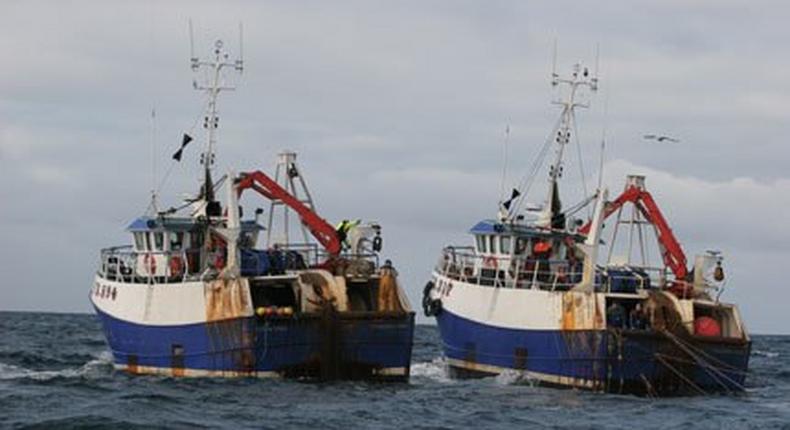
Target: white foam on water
x=435 y=370
x=514 y=377
x=768 y=354
x=99 y=366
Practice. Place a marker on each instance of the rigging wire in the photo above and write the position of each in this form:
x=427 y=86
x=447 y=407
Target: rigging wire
x=504 y=164
x=603 y=138
x=173 y=163
x=529 y=178
x=188 y=202
x=581 y=160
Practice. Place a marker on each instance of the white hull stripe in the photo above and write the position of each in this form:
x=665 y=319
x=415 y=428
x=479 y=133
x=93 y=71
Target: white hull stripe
x=203 y=373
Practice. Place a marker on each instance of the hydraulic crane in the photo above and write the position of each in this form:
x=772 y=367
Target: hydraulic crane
x=267 y=187
x=635 y=193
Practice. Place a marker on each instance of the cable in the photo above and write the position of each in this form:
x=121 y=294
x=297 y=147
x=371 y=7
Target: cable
x=579 y=155
x=528 y=180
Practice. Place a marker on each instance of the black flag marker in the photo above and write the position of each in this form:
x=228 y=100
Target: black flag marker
x=515 y=193
x=184 y=142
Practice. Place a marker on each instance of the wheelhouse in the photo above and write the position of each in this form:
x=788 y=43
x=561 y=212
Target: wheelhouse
x=170 y=249
x=516 y=256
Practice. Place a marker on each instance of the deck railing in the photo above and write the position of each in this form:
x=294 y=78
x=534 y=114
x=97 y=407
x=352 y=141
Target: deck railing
x=124 y=264
x=314 y=255
x=464 y=264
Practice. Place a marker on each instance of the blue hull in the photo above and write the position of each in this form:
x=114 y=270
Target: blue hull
x=638 y=362
x=329 y=346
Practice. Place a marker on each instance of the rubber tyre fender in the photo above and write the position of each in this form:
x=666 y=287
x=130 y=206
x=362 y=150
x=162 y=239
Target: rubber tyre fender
x=426 y=298
x=435 y=307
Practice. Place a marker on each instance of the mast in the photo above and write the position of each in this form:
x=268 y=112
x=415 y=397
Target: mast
x=581 y=77
x=212 y=88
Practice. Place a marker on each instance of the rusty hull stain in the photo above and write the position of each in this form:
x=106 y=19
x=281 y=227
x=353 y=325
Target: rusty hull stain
x=582 y=311
x=226 y=299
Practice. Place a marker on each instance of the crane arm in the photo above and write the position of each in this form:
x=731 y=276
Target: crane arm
x=671 y=251
x=267 y=187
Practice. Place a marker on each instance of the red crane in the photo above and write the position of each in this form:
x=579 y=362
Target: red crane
x=267 y=187
x=635 y=193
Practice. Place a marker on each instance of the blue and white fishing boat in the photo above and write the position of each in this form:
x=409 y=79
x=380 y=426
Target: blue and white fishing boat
x=528 y=295
x=195 y=294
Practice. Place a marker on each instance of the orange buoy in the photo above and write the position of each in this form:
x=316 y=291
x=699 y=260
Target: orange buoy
x=707 y=326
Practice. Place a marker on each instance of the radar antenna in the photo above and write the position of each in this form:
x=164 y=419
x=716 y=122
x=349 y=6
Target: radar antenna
x=213 y=85
x=580 y=77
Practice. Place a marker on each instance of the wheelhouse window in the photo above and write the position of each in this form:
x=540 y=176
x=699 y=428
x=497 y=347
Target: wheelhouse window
x=139 y=242
x=481 y=243
x=492 y=244
x=176 y=241
x=159 y=241
x=196 y=239
x=147 y=241
x=247 y=240
x=522 y=245
x=504 y=244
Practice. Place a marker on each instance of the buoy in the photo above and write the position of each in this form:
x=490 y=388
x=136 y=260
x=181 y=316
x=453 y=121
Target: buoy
x=260 y=311
x=707 y=326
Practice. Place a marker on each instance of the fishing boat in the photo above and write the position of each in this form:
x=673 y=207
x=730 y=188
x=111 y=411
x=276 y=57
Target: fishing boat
x=195 y=294
x=528 y=294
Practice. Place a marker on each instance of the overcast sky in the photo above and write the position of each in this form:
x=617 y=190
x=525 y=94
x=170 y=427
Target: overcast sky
x=397 y=110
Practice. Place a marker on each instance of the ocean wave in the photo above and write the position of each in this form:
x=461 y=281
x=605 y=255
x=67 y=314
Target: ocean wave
x=100 y=365
x=435 y=370
x=768 y=354
x=514 y=377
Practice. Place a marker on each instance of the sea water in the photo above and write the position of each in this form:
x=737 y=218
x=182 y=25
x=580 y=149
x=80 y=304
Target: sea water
x=56 y=372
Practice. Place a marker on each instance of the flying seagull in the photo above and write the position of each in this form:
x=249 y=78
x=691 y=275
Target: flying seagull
x=660 y=138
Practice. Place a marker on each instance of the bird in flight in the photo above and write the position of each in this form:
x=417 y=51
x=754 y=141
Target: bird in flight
x=660 y=138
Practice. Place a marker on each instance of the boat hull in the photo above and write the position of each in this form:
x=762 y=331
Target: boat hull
x=151 y=330
x=312 y=346
x=607 y=360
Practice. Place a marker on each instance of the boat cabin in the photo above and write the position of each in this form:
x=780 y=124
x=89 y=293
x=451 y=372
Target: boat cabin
x=520 y=256
x=171 y=249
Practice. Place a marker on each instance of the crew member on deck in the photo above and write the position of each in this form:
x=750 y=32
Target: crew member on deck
x=388 y=294
x=615 y=315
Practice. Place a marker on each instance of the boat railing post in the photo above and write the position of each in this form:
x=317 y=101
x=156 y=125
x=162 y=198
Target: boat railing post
x=185 y=270
x=516 y=272
x=117 y=265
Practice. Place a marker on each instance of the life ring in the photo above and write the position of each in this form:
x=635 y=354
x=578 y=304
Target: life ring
x=434 y=308
x=562 y=275
x=489 y=262
x=176 y=266
x=219 y=261
x=149 y=262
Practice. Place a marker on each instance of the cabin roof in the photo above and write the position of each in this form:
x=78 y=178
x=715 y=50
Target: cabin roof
x=490 y=226
x=148 y=223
